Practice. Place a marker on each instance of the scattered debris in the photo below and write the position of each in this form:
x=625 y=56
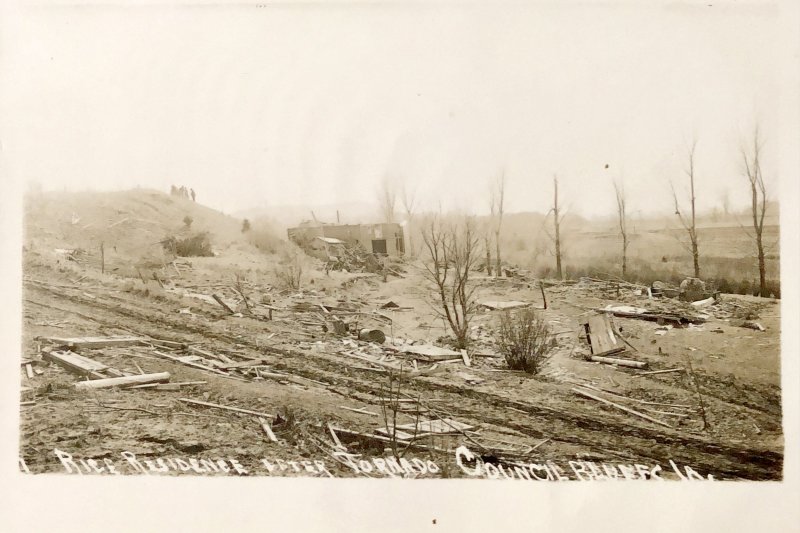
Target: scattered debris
x=225 y=407
x=620 y=407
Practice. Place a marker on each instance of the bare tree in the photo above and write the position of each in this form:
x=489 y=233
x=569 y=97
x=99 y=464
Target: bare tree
x=387 y=199
x=758 y=205
x=409 y=199
x=558 y=218
x=619 y=190
x=453 y=252
x=689 y=225
x=497 y=203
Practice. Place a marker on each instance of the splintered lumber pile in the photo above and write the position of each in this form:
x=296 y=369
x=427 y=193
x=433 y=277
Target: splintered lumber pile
x=142 y=379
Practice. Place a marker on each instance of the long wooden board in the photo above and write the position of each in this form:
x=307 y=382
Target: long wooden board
x=142 y=379
x=95 y=342
x=75 y=363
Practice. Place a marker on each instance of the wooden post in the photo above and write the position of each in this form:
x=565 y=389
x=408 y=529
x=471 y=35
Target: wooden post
x=544 y=298
x=102 y=258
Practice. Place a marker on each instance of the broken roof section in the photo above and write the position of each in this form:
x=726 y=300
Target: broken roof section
x=330 y=240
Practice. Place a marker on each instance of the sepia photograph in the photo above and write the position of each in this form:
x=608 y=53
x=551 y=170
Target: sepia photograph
x=401 y=241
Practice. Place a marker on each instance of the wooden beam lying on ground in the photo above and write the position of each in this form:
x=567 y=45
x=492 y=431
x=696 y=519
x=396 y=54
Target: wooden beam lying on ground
x=621 y=407
x=680 y=369
x=75 y=363
x=223 y=304
x=197 y=365
x=225 y=407
x=267 y=429
x=620 y=362
x=141 y=379
x=96 y=342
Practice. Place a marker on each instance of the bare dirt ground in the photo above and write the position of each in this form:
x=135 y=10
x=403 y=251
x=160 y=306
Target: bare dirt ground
x=315 y=375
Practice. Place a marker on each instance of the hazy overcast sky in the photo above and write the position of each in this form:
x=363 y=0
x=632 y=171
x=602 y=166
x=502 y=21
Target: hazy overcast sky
x=311 y=103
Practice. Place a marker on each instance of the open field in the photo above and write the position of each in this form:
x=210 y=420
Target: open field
x=303 y=377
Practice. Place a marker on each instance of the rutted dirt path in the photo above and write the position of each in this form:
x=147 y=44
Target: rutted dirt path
x=526 y=414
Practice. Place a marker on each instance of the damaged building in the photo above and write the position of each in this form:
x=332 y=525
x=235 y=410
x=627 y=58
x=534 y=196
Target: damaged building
x=385 y=239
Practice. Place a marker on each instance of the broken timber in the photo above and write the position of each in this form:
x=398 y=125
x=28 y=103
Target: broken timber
x=602 y=337
x=76 y=363
x=223 y=304
x=620 y=362
x=95 y=342
x=267 y=429
x=621 y=407
x=142 y=379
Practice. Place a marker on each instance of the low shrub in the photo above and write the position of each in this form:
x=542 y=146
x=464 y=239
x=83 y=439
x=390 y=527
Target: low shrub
x=197 y=245
x=525 y=340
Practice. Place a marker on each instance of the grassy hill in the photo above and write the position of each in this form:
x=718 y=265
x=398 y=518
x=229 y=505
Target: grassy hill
x=130 y=226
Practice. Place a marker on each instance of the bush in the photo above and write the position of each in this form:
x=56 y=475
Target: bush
x=289 y=270
x=245 y=226
x=525 y=340
x=188 y=221
x=198 y=245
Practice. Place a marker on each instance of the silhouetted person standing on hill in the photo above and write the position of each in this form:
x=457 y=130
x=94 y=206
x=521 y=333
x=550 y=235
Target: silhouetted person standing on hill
x=193 y=195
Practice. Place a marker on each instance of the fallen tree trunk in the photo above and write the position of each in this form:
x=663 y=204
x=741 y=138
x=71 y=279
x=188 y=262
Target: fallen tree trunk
x=142 y=379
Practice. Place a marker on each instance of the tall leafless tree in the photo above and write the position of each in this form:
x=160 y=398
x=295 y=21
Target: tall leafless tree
x=409 y=201
x=690 y=224
x=497 y=206
x=452 y=254
x=387 y=199
x=758 y=205
x=619 y=191
x=558 y=218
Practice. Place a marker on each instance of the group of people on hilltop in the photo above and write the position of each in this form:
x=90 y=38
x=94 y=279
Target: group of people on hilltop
x=183 y=192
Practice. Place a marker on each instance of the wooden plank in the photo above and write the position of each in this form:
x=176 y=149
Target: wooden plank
x=359 y=411
x=243 y=364
x=602 y=336
x=226 y=408
x=96 y=342
x=160 y=377
x=74 y=363
x=465 y=357
x=335 y=436
x=680 y=369
x=620 y=407
x=204 y=353
x=196 y=365
x=267 y=429
x=29 y=370
x=155 y=385
x=431 y=353
x=223 y=304
x=620 y=362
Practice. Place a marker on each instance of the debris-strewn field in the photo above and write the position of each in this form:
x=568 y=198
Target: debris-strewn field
x=136 y=362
